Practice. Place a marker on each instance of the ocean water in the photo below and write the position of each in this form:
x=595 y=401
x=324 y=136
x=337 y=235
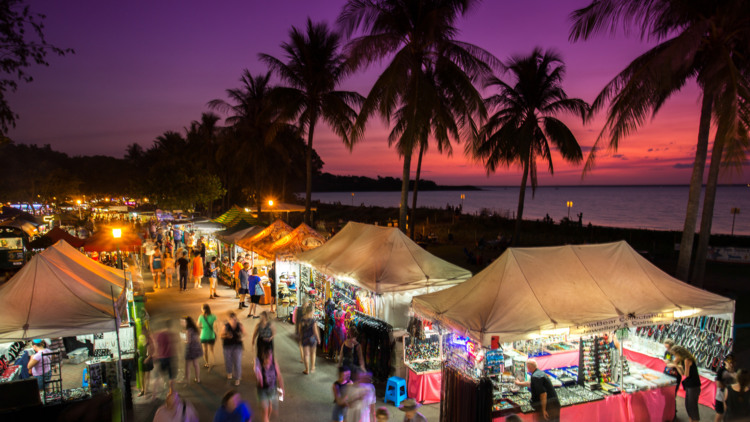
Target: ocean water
x=648 y=207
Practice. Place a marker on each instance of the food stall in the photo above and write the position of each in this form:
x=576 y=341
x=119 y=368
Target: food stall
x=258 y=244
x=366 y=276
x=583 y=293
x=62 y=293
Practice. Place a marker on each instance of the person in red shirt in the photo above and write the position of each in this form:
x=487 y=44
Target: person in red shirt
x=197 y=270
x=166 y=351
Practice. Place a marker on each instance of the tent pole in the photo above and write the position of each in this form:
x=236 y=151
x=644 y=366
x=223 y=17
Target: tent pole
x=120 y=383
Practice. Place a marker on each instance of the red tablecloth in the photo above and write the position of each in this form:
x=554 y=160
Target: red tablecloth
x=424 y=388
x=558 y=360
x=708 y=386
x=645 y=406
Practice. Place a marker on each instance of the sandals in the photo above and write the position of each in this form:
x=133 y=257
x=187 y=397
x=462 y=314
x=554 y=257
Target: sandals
x=237 y=382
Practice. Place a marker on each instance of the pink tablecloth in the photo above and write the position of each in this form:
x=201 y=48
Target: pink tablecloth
x=645 y=406
x=425 y=388
x=558 y=360
x=708 y=386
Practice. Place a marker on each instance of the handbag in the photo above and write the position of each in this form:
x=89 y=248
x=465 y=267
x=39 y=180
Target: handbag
x=259 y=290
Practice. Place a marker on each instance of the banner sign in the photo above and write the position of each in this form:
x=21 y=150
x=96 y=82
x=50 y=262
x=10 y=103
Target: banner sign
x=625 y=321
x=728 y=254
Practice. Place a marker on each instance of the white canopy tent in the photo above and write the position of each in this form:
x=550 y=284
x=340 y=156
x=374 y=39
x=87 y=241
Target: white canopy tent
x=528 y=291
x=60 y=293
x=385 y=261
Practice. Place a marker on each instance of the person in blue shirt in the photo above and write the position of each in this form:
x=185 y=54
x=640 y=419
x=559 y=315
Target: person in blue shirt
x=243 y=290
x=233 y=408
x=253 y=281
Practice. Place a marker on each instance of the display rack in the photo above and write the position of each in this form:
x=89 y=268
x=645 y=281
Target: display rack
x=594 y=362
x=423 y=355
x=53 y=384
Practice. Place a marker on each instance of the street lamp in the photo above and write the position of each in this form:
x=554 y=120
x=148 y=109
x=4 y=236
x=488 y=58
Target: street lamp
x=117 y=234
x=569 y=205
x=352 y=198
x=270 y=202
x=462 y=202
x=734 y=212
x=79 y=209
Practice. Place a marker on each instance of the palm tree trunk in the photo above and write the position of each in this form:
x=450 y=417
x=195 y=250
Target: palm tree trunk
x=258 y=190
x=283 y=186
x=521 y=197
x=696 y=184
x=405 y=192
x=699 y=267
x=416 y=190
x=308 y=193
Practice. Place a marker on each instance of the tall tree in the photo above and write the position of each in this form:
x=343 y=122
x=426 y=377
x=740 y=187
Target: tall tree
x=312 y=71
x=255 y=118
x=419 y=36
x=525 y=123
x=17 y=52
x=696 y=40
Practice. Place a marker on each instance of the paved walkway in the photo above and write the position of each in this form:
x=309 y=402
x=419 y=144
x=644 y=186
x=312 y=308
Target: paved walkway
x=306 y=398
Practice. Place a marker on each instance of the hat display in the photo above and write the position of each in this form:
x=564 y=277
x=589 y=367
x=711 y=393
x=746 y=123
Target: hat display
x=409 y=404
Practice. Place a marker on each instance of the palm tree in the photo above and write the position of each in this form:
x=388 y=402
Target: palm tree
x=314 y=68
x=420 y=37
x=697 y=39
x=525 y=121
x=255 y=119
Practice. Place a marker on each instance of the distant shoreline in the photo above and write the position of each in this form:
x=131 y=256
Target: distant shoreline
x=451 y=188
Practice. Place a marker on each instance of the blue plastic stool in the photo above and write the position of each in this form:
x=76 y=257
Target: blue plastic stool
x=84 y=381
x=395 y=390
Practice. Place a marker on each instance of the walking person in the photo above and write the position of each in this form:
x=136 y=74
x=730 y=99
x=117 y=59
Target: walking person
x=409 y=407
x=197 y=270
x=725 y=377
x=168 y=269
x=147 y=362
x=231 y=335
x=263 y=335
x=272 y=281
x=202 y=249
x=193 y=350
x=340 y=397
x=213 y=268
x=207 y=324
x=176 y=409
x=350 y=354
x=269 y=379
x=233 y=408
x=382 y=415
x=157 y=268
x=299 y=313
x=166 y=350
x=685 y=365
x=244 y=280
x=309 y=338
x=256 y=291
x=543 y=394
x=236 y=268
x=361 y=398
x=737 y=399
x=183 y=266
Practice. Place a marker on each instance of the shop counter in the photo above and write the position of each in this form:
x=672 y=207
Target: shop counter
x=708 y=386
x=266 y=299
x=657 y=405
x=557 y=360
x=424 y=387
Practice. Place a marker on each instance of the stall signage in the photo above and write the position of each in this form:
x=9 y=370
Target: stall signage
x=625 y=321
x=109 y=341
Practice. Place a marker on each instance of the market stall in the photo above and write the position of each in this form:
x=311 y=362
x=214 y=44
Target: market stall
x=235 y=215
x=57 y=234
x=259 y=244
x=367 y=275
x=62 y=293
x=583 y=293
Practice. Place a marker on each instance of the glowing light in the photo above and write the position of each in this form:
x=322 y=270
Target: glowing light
x=79 y=202
x=270 y=203
x=117 y=233
x=247 y=209
x=687 y=313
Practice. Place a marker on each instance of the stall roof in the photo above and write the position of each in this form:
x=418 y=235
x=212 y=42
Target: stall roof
x=301 y=239
x=528 y=290
x=242 y=225
x=58 y=234
x=382 y=260
x=261 y=241
x=20 y=224
x=237 y=235
x=103 y=241
x=236 y=214
x=60 y=293
x=10 y=212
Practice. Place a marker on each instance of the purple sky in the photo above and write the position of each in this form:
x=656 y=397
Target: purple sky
x=144 y=67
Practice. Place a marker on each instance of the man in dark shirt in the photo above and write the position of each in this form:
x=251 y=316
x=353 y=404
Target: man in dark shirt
x=182 y=265
x=543 y=395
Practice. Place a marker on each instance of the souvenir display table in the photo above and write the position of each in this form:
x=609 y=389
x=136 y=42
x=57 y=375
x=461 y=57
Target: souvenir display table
x=424 y=387
x=708 y=386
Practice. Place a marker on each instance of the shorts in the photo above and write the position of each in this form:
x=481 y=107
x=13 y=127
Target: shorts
x=167 y=366
x=266 y=395
x=212 y=341
x=255 y=299
x=212 y=282
x=169 y=271
x=339 y=413
x=719 y=407
x=242 y=291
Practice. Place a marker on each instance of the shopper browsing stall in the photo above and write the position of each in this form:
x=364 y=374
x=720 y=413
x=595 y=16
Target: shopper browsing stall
x=543 y=395
x=725 y=377
x=685 y=365
x=256 y=291
x=39 y=365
